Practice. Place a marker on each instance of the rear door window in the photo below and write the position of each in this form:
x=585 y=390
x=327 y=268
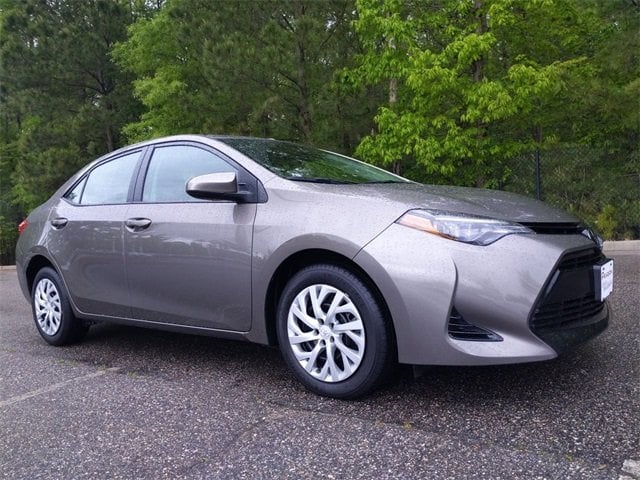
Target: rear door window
x=108 y=183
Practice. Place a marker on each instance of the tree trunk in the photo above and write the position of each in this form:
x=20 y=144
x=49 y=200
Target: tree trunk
x=482 y=27
x=393 y=92
x=110 y=143
x=477 y=69
x=393 y=99
x=304 y=110
x=537 y=134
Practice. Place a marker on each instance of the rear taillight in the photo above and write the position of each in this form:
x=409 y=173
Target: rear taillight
x=23 y=225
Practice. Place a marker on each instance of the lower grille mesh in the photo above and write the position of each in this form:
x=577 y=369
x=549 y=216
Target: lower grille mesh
x=460 y=329
x=569 y=312
x=557 y=315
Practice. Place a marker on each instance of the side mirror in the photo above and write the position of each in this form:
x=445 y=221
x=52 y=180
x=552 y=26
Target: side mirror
x=221 y=186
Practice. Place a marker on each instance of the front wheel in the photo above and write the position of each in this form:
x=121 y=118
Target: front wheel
x=333 y=333
x=52 y=312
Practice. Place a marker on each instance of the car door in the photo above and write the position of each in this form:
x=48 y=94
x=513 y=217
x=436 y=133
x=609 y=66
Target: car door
x=86 y=236
x=188 y=261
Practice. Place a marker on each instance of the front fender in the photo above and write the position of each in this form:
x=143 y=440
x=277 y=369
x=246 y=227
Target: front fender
x=417 y=279
x=265 y=266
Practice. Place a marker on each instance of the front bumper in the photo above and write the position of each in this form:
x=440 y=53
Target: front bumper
x=568 y=312
x=425 y=278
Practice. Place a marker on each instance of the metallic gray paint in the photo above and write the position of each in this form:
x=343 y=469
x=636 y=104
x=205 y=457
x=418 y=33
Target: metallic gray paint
x=89 y=255
x=205 y=267
x=192 y=265
x=494 y=287
x=221 y=182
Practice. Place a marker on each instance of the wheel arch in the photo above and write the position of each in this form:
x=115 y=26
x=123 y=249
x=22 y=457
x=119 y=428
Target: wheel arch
x=37 y=263
x=305 y=258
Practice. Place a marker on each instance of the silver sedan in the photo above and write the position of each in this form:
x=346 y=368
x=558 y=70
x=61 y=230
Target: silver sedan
x=348 y=268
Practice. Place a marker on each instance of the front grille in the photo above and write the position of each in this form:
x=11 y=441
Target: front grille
x=581 y=259
x=567 y=228
x=569 y=312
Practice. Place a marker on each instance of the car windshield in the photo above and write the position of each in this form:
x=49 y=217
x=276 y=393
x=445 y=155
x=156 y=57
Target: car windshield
x=307 y=164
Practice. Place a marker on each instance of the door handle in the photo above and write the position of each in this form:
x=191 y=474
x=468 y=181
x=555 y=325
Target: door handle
x=137 y=224
x=59 y=222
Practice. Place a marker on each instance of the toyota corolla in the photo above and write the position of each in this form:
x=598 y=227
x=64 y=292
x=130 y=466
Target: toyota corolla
x=348 y=268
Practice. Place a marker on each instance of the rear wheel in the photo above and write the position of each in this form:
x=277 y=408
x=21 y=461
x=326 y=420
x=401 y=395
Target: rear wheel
x=333 y=333
x=52 y=311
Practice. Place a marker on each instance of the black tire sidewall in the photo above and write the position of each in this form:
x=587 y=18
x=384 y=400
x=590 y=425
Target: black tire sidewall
x=378 y=347
x=67 y=331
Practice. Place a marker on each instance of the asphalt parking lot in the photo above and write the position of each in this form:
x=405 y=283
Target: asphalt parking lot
x=136 y=403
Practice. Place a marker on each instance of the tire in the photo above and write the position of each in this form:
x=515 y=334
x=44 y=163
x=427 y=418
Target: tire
x=52 y=312
x=333 y=333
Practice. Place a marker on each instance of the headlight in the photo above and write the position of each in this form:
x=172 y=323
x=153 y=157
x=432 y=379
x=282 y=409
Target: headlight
x=461 y=227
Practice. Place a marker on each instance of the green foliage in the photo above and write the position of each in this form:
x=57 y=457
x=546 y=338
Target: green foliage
x=579 y=179
x=441 y=91
x=466 y=77
x=606 y=221
x=63 y=101
x=265 y=70
x=474 y=86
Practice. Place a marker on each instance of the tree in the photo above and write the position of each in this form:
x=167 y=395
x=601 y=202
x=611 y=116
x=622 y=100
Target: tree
x=63 y=101
x=440 y=90
x=471 y=91
x=609 y=118
x=265 y=70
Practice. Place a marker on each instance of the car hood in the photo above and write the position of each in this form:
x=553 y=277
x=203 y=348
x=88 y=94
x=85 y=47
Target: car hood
x=474 y=201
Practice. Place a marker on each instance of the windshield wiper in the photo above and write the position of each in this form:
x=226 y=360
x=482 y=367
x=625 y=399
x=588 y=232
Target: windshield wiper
x=320 y=180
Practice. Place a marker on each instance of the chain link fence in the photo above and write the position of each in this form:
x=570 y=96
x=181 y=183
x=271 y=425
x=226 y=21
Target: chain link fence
x=8 y=241
x=601 y=189
x=7 y=249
